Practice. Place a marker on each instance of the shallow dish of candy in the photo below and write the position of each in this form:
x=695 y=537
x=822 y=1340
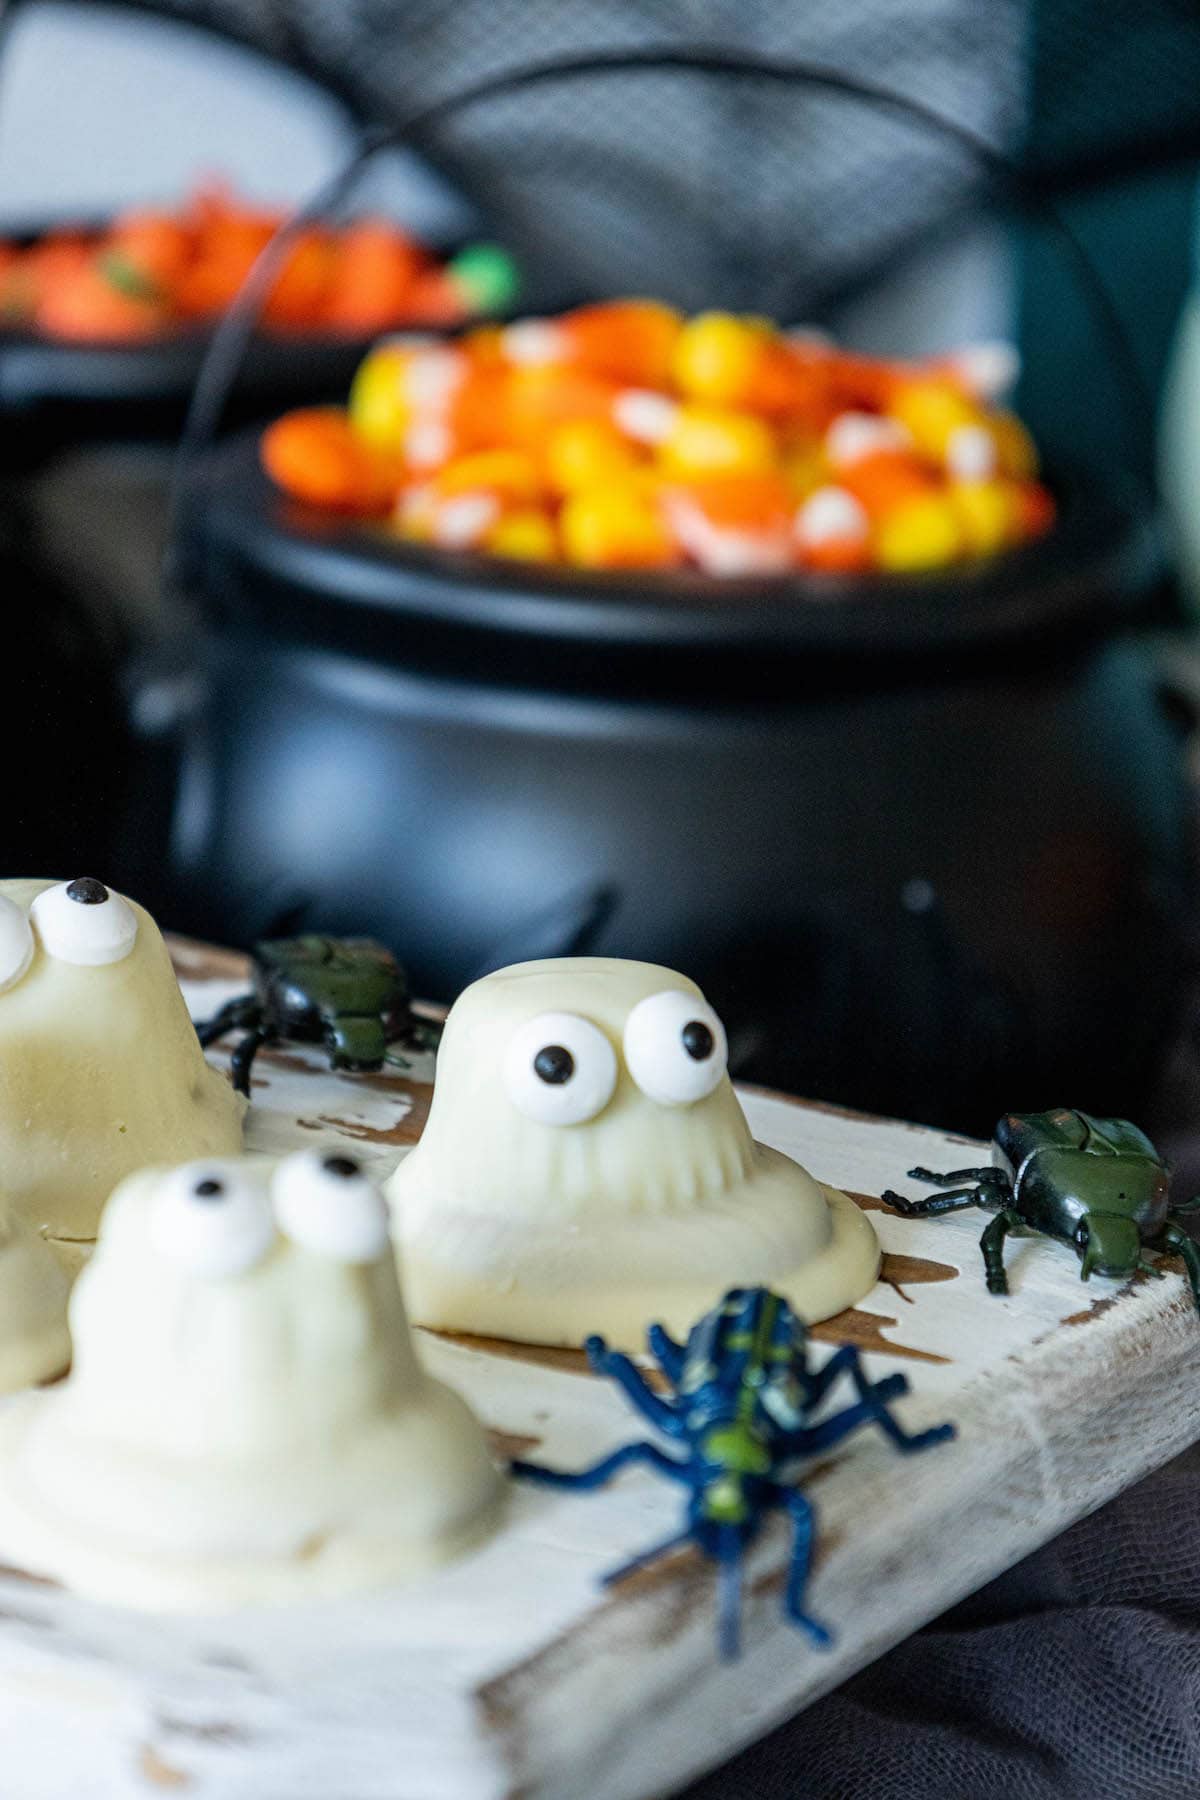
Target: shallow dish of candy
x=103 y=327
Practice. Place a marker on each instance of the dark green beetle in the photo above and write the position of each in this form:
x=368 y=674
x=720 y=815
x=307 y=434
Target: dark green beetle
x=348 y=993
x=1098 y=1184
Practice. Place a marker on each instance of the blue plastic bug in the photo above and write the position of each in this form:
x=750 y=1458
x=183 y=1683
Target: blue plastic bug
x=742 y=1403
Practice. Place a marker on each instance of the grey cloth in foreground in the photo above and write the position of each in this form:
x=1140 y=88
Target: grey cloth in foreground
x=1076 y=1676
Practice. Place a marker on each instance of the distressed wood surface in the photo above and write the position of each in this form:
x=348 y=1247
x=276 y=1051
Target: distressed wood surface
x=512 y=1673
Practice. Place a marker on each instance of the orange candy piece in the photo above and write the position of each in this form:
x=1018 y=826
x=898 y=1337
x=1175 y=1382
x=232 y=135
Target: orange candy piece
x=315 y=455
x=156 y=245
x=630 y=342
x=88 y=305
x=627 y=341
x=885 y=479
x=511 y=475
x=299 y=291
x=372 y=275
x=733 y=524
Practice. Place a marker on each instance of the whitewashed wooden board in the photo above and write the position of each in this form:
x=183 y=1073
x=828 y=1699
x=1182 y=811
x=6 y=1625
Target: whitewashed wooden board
x=513 y=1673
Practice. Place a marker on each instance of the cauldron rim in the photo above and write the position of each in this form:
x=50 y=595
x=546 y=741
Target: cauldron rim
x=1094 y=566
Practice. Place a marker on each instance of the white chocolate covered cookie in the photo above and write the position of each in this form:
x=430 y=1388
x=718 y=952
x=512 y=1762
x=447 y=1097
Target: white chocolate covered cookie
x=35 y=1344
x=246 y=1420
x=586 y=1167
x=100 y=1069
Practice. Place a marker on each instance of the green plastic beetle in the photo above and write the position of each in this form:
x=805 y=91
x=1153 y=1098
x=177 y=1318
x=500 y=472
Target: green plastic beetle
x=348 y=993
x=1097 y=1184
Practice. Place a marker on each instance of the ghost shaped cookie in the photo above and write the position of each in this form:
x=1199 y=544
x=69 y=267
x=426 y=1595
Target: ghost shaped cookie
x=247 y=1420
x=101 y=1072
x=586 y=1167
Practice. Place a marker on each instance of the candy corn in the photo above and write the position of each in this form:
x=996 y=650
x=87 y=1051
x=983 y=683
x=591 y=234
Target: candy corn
x=623 y=436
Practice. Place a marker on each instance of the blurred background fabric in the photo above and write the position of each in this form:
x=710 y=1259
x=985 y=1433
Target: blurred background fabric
x=1073 y=1676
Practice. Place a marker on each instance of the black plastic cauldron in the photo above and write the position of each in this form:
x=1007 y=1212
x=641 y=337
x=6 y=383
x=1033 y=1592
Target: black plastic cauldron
x=924 y=841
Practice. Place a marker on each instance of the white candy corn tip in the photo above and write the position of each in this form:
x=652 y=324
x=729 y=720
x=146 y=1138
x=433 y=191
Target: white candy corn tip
x=533 y=342
x=855 y=435
x=432 y=378
x=971 y=453
x=460 y=523
x=644 y=416
x=991 y=370
x=831 y=515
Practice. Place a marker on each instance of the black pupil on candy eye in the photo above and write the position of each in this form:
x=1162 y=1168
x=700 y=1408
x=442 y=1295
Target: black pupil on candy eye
x=553 y=1064
x=340 y=1165
x=697 y=1040
x=209 y=1189
x=88 y=891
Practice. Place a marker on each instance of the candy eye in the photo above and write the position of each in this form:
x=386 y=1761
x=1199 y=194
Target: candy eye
x=84 y=922
x=675 y=1048
x=324 y=1202
x=16 y=942
x=213 y=1221
x=560 y=1069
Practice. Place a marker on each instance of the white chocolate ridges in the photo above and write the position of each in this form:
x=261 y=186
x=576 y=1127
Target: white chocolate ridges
x=100 y=1069
x=246 y=1421
x=523 y=1216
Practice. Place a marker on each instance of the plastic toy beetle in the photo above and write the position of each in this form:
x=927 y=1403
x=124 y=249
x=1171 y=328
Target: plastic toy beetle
x=741 y=1409
x=348 y=993
x=1098 y=1184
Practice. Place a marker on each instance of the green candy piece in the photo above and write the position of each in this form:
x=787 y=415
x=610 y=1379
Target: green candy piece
x=486 y=276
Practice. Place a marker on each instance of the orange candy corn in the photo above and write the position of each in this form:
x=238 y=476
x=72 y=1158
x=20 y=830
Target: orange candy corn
x=625 y=341
x=733 y=524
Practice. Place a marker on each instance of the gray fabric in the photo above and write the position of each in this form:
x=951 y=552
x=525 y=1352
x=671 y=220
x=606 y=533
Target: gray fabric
x=702 y=190
x=1076 y=1676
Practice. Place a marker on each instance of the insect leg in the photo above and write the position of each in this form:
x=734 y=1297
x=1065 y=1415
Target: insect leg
x=245 y=1010
x=992 y=1245
x=629 y=1378
x=668 y=1354
x=818 y=1385
x=606 y=1468
x=1176 y=1238
x=242 y=1060
x=803 y=1518
x=956 y=1201
x=675 y=1542
x=988 y=1176
x=729 y=1576
x=871 y=1408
